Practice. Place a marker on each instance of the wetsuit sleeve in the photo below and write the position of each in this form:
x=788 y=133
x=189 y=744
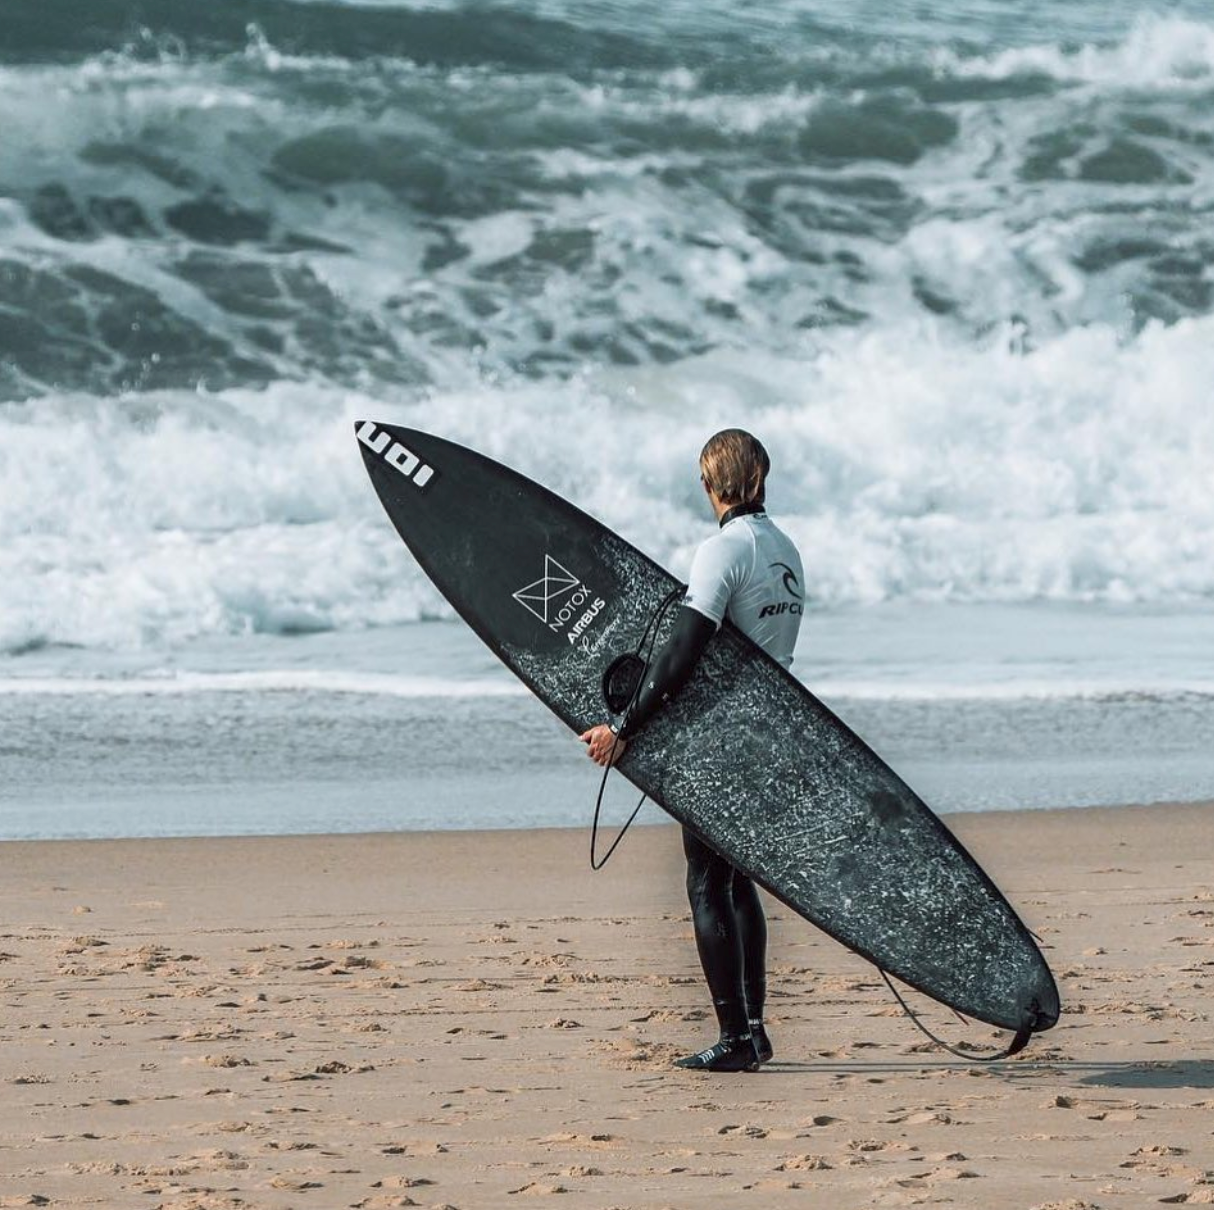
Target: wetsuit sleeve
x=672 y=669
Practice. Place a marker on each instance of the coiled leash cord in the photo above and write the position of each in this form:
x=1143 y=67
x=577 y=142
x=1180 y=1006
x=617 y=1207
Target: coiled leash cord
x=625 y=666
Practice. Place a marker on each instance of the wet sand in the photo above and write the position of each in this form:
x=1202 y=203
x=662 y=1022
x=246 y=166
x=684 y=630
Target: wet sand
x=473 y=1019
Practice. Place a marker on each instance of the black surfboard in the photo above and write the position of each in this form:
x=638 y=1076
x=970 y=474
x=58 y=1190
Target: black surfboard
x=745 y=756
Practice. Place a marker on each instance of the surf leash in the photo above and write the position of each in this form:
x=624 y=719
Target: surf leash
x=1017 y=1044
x=619 y=690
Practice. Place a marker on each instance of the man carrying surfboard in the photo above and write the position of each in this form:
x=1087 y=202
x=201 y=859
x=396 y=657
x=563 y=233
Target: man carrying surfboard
x=749 y=571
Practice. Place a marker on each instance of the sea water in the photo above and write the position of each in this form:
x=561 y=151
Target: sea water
x=953 y=265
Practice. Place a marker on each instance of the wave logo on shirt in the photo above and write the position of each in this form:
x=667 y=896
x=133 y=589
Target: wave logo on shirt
x=560 y=600
x=790 y=580
x=793 y=588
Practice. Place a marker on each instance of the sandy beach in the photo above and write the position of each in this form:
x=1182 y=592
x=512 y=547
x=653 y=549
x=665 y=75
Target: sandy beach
x=473 y=1019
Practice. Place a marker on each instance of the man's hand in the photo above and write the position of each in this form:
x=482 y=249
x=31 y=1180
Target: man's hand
x=602 y=740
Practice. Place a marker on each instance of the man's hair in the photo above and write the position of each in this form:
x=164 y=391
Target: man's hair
x=735 y=465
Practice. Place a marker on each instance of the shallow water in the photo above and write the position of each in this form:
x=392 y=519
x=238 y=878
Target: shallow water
x=953 y=266
x=978 y=707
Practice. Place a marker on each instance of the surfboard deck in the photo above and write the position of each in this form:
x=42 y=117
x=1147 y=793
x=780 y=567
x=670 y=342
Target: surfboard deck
x=745 y=755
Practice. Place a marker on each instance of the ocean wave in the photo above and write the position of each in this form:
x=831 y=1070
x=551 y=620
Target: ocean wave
x=339 y=682
x=1159 y=51
x=266 y=681
x=260 y=215
x=964 y=293
x=508 y=36
x=908 y=465
x=1056 y=689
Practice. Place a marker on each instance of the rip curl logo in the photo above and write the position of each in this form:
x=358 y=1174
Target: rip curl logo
x=394 y=454
x=789 y=579
x=561 y=601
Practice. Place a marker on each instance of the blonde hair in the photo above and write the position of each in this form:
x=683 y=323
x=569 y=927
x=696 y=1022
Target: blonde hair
x=735 y=465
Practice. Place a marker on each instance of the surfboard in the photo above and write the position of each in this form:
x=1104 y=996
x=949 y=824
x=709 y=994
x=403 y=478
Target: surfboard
x=745 y=755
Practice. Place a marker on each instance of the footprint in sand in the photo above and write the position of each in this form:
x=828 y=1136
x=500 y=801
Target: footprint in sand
x=223 y=1061
x=414 y=1149
x=1071 y=1203
x=922 y=1117
x=936 y=1175
x=295 y=1184
x=203 y=1200
x=805 y=1163
x=871 y=1145
x=402 y=1182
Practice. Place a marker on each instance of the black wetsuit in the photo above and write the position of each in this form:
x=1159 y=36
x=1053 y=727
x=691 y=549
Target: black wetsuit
x=727 y=916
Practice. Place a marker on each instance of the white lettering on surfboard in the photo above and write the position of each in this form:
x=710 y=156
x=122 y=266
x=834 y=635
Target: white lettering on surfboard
x=583 y=623
x=561 y=600
x=394 y=454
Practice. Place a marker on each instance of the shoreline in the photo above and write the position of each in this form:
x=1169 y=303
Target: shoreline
x=463 y=1018
x=657 y=819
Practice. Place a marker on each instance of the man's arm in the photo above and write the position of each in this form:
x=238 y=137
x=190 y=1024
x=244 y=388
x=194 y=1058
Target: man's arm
x=672 y=669
x=667 y=675
x=710 y=583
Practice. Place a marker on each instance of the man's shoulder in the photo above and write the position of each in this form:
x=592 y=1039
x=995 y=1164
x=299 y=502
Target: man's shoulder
x=726 y=543
x=776 y=533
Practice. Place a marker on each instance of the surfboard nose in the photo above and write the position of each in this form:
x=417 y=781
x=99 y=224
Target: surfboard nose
x=386 y=443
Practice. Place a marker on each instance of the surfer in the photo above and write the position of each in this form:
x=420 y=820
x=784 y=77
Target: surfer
x=749 y=571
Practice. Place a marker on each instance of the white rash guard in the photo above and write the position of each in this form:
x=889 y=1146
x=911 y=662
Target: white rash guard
x=750 y=572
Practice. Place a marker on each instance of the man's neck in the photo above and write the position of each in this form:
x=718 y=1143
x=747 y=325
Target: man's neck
x=728 y=513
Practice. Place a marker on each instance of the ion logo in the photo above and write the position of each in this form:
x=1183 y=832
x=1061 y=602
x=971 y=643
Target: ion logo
x=560 y=600
x=395 y=454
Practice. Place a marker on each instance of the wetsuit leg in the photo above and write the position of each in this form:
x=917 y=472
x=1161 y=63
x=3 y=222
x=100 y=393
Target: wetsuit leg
x=718 y=938
x=752 y=926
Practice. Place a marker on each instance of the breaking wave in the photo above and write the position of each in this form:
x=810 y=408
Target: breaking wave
x=957 y=272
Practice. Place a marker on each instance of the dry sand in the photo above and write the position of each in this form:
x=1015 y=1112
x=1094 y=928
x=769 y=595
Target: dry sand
x=474 y=1020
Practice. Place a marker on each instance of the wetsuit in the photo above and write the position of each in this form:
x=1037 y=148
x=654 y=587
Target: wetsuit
x=748 y=572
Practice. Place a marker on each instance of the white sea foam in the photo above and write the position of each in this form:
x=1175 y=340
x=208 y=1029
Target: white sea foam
x=1158 y=50
x=907 y=465
x=960 y=459
x=1054 y=689
x=288 y=680
x=381 y=685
